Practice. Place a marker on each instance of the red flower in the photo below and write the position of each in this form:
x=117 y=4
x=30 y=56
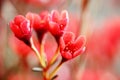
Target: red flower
x=71 y=47
x=58 y=23
x=21 y=28
x=39 y=23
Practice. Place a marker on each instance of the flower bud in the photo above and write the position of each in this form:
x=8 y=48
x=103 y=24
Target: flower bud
x=21 y=28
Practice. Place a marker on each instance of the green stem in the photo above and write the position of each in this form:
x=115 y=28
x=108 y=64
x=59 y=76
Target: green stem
x=55 y=56
x=55 y=70
x=45 y=75
x=43 y=54
x=37 y=53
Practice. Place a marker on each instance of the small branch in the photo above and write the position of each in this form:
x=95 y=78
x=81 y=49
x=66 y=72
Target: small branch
x=55 y=70
x=55 y=56
x=37 y=53
x=43 y=56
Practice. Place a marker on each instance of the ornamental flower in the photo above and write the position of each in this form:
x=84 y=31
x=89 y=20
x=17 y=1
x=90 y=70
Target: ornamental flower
x=71 y=47
x=58 y=23
x=21 y=28
x=39 y=23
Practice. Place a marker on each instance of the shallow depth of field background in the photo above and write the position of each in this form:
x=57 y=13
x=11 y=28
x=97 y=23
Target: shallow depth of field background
x=100 y=25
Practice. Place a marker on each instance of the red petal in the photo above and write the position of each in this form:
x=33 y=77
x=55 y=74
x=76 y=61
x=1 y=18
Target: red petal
x=37 y=20
x=16 y=30
x=55 y=15
x=34 y=20
x=18 y=19
x=54 y=28
x=62 y=24
x=62 y=44
x=44 y=14
x=79 y=42
x=66 y=55
x=25 y=27
x=68 y=37
x=64 y=15
x=30 y=17
x=78 y=52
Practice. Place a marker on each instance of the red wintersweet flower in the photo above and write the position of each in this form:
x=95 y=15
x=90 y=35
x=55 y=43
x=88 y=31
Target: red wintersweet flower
x=21 y=28
x=58 y=23
x=39 y=23
x=71 y=47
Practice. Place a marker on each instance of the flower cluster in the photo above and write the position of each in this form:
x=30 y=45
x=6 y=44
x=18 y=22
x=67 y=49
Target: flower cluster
x=55 y=23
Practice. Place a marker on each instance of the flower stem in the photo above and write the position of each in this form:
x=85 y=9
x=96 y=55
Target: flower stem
x=55 y=70
x=43 y=54
x=55 y=56
x=45 y=75
x=37 y=53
